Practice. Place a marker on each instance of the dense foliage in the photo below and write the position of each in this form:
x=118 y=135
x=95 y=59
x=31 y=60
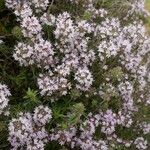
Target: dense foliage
x=75 y=74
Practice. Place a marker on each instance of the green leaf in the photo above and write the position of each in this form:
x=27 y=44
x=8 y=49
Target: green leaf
x=87 y=15
x=2 y=5
x=17 y=32
x=31 y=95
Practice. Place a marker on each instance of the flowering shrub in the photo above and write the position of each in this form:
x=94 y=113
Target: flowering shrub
x=90 y=73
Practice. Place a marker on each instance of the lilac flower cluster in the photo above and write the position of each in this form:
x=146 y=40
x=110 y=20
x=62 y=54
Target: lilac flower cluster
x=53 y=85
x=41 y=53
x=140 y=143
x=145 y=127
x=4 y=98
x=137 y=8
x=28 y=130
